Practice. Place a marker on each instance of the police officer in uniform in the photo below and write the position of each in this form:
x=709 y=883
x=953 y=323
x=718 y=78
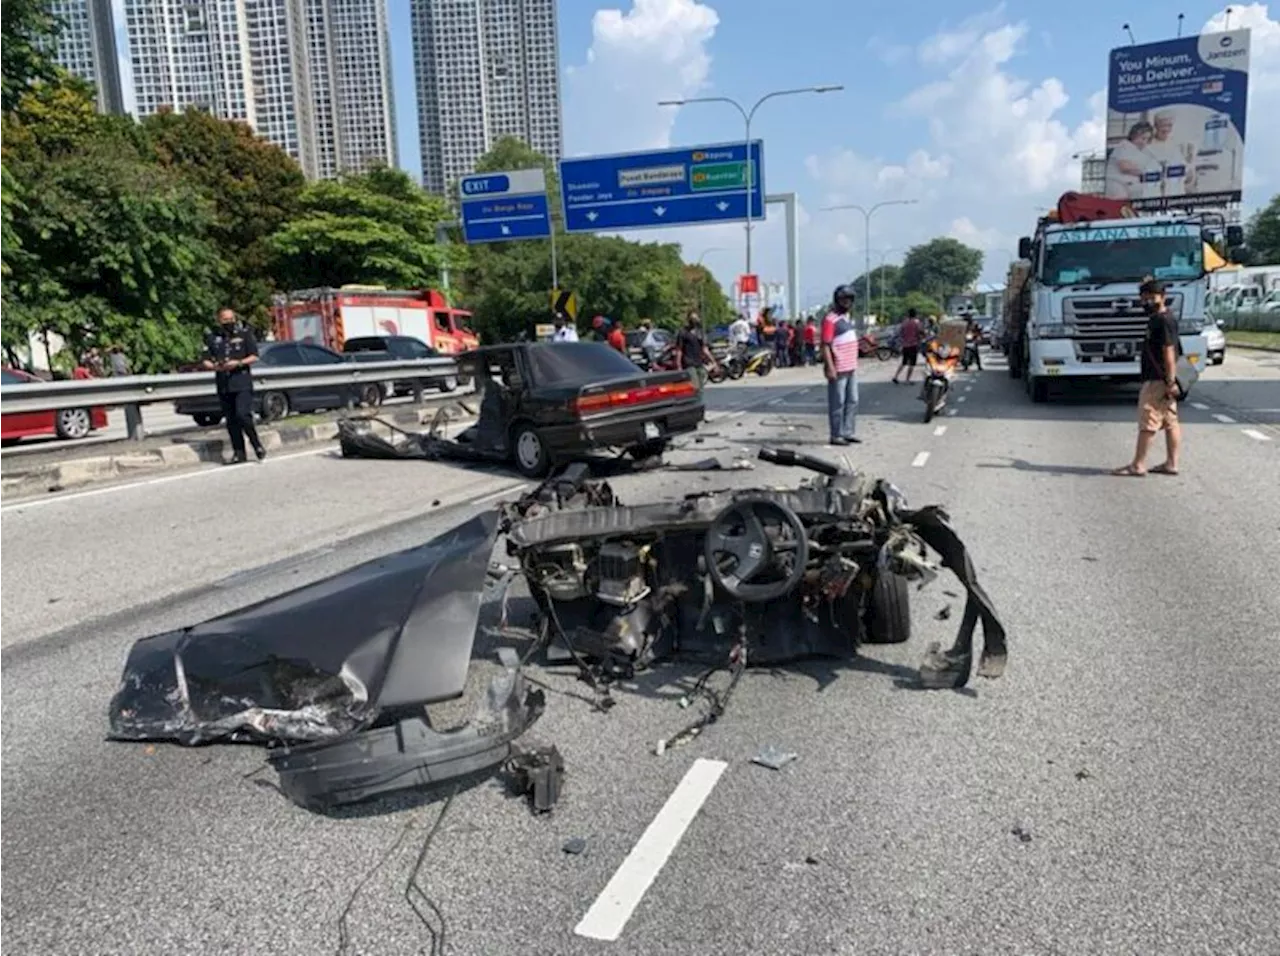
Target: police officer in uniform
x=230 y=350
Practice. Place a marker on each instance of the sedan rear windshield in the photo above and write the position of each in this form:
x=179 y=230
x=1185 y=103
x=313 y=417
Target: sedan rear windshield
x=577 y=362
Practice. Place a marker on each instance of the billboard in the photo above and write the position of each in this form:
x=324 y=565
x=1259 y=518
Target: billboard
x=1176 y=121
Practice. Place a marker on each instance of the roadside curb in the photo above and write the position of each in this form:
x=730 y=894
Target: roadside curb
x=80 y=472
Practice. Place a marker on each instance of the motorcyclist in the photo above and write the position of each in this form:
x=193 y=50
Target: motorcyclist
x=649 y=343
x=971 y=337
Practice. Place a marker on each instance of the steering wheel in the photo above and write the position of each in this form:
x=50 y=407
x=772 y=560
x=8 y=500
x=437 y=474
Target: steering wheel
x=740 y=548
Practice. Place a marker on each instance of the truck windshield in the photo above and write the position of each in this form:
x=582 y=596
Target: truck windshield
x=1125 y=258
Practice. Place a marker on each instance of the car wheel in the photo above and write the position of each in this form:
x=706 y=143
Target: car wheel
x=275 y=406
x=371 y=395
x=449 y=384
x=1220 y=358
x=73 y=423
x=530 y=452
x=206 y=420
x=888 y=616
x=1039 y=390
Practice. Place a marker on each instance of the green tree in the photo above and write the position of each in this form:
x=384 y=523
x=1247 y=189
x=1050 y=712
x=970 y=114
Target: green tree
x=700 y=290
x=378 y=228
x=511 y=152
x=28 y=32
x=1262 y=235
x=115 y=251
x=254 y=188
x=940 y=267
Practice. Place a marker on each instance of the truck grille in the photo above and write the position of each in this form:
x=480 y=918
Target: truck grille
x=1110 y=317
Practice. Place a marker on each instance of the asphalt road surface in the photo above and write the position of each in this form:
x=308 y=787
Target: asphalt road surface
x=1115 y=792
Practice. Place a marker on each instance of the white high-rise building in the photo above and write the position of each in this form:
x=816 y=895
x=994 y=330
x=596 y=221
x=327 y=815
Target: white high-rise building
x=484 y=69
x=87 y=47
x=312 y=76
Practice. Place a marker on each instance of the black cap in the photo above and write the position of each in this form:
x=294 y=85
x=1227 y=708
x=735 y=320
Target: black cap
x=1151 y=286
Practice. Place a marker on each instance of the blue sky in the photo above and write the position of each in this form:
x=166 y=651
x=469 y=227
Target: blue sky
x=972 y=109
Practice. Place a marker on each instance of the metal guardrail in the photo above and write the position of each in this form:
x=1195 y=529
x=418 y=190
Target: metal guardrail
x=134 y=391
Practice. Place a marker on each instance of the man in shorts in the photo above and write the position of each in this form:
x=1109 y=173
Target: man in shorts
x=1158 y=399
x=909 y=339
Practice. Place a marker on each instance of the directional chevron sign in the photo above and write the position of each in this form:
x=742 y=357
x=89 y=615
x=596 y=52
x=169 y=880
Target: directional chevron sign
x=673 y=187
x=501 y=207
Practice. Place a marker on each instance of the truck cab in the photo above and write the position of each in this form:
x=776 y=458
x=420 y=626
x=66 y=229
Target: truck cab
x=1077 y=313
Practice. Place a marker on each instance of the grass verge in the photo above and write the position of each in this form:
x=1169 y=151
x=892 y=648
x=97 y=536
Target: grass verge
x=1259 y=340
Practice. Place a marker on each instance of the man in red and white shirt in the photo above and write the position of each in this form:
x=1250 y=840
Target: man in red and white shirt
x=840 y=362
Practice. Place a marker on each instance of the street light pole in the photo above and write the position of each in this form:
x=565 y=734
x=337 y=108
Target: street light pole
x=747 y=116
x=702 y=277
x=884 y=253
x=866 y=216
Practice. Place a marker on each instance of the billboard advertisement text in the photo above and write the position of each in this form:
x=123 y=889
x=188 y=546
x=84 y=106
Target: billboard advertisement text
x=1176 y=121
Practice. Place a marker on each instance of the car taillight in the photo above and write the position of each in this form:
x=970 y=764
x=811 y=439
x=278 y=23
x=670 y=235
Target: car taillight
x=622 y=398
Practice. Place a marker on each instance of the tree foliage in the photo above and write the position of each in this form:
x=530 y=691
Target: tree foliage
x=1262 y=234
x=378 y=228
x=253 y=186
x=28 y=32
x=940 y=267
x=700 y=290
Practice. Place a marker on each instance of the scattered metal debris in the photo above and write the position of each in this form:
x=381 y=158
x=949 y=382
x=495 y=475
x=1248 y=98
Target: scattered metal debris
x=773 y=757
x=1022 y=833
x=574 y=845
x=538 y=773
x=943 y=614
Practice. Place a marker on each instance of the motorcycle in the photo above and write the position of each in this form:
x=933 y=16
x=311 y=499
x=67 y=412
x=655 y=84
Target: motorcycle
x=970 y=353
x=940 y=362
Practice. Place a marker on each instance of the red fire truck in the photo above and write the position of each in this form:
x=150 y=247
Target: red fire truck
x=331 y=316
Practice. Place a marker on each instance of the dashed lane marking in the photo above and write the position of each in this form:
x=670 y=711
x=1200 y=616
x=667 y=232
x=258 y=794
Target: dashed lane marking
x=962 y=398
x=1255 y=434
x=1200 y=405
x=920 y=459
x=939 y=431
x=1225 y=419
x=620 y=897
x=953 y=411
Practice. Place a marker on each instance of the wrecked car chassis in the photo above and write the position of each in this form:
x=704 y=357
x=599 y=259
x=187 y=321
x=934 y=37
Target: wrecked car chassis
x=338 y=676
x=753 y=575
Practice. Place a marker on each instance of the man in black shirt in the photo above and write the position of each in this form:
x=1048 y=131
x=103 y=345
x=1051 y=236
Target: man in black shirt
x=1158 y=400
x=691 y=350
x=229 y=351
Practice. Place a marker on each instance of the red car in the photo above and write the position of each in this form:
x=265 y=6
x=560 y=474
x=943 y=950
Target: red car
x=67 y=423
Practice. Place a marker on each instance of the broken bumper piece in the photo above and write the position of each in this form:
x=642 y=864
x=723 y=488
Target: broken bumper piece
x=409 y=753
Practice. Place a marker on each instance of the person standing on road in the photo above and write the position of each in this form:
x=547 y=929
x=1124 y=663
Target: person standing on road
x=810 y=341
x=909 y=338
x=840 y=363
x=229 y=351
x=564 y=331
x=692 y=352
x=617 y=338
x=1158 y=399
x=740 y=333
x=120 y=367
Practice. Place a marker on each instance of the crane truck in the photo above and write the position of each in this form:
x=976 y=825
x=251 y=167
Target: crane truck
x=1072 y=309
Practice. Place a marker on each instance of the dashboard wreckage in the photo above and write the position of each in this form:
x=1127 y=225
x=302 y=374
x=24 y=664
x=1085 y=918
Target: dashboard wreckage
x=338 y=676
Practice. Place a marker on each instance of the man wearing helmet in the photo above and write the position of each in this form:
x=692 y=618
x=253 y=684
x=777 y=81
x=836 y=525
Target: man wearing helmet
x=840 y=362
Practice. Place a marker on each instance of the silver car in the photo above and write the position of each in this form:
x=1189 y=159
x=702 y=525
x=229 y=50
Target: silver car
x=1215 y=341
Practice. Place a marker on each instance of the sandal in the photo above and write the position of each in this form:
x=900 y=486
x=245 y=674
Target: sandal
x=1129 y=471
x=1164 y=469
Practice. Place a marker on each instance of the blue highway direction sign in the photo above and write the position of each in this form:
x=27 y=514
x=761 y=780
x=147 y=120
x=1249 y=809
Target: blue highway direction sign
x=500 y=207
x=672 y=187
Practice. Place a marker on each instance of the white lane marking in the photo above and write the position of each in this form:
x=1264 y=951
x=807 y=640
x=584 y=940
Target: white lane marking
x=920 y=459
x=962 y=398
x=1255 y=434
x=939 y=431
x=953 y=411
x=968 y=388
x=163 y=479
x=1225 y=419
x=618 y=900
x=1200 y=405
x=776 y=401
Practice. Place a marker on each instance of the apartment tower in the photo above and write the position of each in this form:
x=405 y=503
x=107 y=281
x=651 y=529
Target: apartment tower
x=312 y=76
x=484 y=69
x=87 y=47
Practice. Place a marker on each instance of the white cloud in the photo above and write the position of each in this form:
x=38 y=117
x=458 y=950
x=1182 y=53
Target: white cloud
x=655 y=51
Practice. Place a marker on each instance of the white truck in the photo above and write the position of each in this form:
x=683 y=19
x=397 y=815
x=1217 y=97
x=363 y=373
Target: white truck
x=1075 y=311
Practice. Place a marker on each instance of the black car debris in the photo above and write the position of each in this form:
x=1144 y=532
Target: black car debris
x=543 y=404
x=338 y=676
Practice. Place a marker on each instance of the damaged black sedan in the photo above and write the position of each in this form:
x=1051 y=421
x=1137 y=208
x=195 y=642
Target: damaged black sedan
x=544 y=404
x=339 y=675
